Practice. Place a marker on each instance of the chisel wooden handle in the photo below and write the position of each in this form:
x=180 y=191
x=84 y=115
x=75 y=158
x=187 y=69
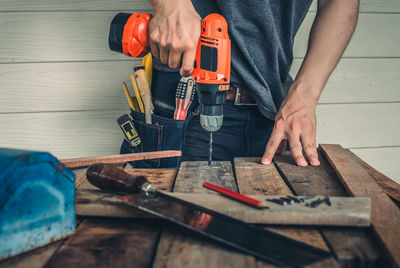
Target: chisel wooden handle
x=110 y=178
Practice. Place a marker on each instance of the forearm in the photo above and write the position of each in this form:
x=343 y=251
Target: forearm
x=332 y=29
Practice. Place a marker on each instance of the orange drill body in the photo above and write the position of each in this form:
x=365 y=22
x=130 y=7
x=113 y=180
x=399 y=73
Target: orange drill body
x=213 y=56
x=129 y=35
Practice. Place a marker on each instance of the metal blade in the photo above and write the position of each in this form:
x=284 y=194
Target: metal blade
x=250 y=239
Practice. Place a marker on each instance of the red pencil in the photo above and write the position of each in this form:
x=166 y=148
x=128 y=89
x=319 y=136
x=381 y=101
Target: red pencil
x=239 y=197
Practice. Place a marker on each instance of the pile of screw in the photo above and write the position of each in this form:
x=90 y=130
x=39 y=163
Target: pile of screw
x=319 y=201
x=290 y=200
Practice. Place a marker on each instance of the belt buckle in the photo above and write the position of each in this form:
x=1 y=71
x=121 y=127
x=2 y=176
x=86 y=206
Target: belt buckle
x=237 y=100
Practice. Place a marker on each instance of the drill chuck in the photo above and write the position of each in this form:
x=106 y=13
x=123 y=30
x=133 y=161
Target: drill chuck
x=211 y=111
x=211 y=123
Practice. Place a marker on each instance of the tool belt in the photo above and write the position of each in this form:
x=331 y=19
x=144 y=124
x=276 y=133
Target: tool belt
x=240 y=97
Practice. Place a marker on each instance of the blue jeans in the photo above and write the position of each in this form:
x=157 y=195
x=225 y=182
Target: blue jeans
x=245 y=131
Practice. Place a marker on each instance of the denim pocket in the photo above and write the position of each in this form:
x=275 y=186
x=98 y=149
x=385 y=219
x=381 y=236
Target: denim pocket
x=163 y=134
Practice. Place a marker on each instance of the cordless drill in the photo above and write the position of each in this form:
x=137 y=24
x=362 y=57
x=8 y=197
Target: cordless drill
x=129 y=34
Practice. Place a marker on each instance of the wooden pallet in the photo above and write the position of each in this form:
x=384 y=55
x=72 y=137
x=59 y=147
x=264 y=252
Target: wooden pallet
x=111 y=242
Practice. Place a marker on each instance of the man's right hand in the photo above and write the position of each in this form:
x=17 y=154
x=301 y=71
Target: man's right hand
x=174 y=33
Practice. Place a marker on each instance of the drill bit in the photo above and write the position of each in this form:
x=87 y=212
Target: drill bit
x=210 y=149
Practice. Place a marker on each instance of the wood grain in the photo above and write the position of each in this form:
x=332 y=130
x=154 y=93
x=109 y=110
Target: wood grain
x=176 y=250
x=108 y=243
x=87 y=133
x=69 y=41
x=91 y=201
x=390 y=187
x=69 y=134
x=334 y=125
x=358 y=80
x=362 y=43
x=344 y=211
x=77 y=86
x=269 y=180
x=385 y=214
x=192 y=174
x=36 y=258
x=384 y=159
x=118 y=158
x=389 y=6
x=75 y=5
x=252 y=178
x=64 y=86
x=351 y=246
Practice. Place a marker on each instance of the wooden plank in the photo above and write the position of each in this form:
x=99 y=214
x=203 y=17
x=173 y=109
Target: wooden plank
x=60 y=36
x=387 y=6
x=373 y=37
x=266 y=179
x=64 y=134
x=81 y=36
x=64 y=86
x=101 y=242
x=192 y=174
x=384 y=159
x=87 y=133
x=351 y=246
x=334 y=125
x=357 y=80
x=74 y=5
x=390 y=187
x=90 y=201
x=177 y=250
x=72 y=86
x=385 y=215
x=118 y=158
x=36 y=258
x=343 y=211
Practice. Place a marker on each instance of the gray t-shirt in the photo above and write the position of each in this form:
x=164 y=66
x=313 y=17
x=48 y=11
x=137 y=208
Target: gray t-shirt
x=262 y=34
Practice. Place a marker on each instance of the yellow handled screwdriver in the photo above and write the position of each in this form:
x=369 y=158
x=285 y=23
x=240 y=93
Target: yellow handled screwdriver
x=148 y=67
x=144 y=90
x=128 y=96
x=138 y=98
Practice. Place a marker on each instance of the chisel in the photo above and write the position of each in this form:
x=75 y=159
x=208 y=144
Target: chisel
x=244 y=237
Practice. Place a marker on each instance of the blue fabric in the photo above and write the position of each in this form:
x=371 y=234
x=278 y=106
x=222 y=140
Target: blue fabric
x=262 y=34
x=164 y=133
x=245 y=132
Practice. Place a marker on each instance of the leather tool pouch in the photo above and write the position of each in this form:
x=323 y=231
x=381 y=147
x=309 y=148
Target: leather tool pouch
x=164 y=133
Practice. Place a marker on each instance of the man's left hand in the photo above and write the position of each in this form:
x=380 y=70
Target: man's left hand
x=296 y=123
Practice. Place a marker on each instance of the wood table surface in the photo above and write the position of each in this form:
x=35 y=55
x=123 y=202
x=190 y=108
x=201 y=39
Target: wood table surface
x=148 y=242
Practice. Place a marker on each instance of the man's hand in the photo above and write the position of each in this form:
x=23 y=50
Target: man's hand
x=331 y=31
x=174 y=33
x=295 y=122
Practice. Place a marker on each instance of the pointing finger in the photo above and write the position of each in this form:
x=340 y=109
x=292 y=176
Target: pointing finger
x=272 y=145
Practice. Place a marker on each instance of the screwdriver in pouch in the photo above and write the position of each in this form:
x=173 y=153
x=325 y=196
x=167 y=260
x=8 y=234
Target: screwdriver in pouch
x=183 y=97
x=144 y=90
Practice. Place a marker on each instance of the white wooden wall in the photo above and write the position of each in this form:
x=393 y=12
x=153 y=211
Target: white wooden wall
x=60 y=86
